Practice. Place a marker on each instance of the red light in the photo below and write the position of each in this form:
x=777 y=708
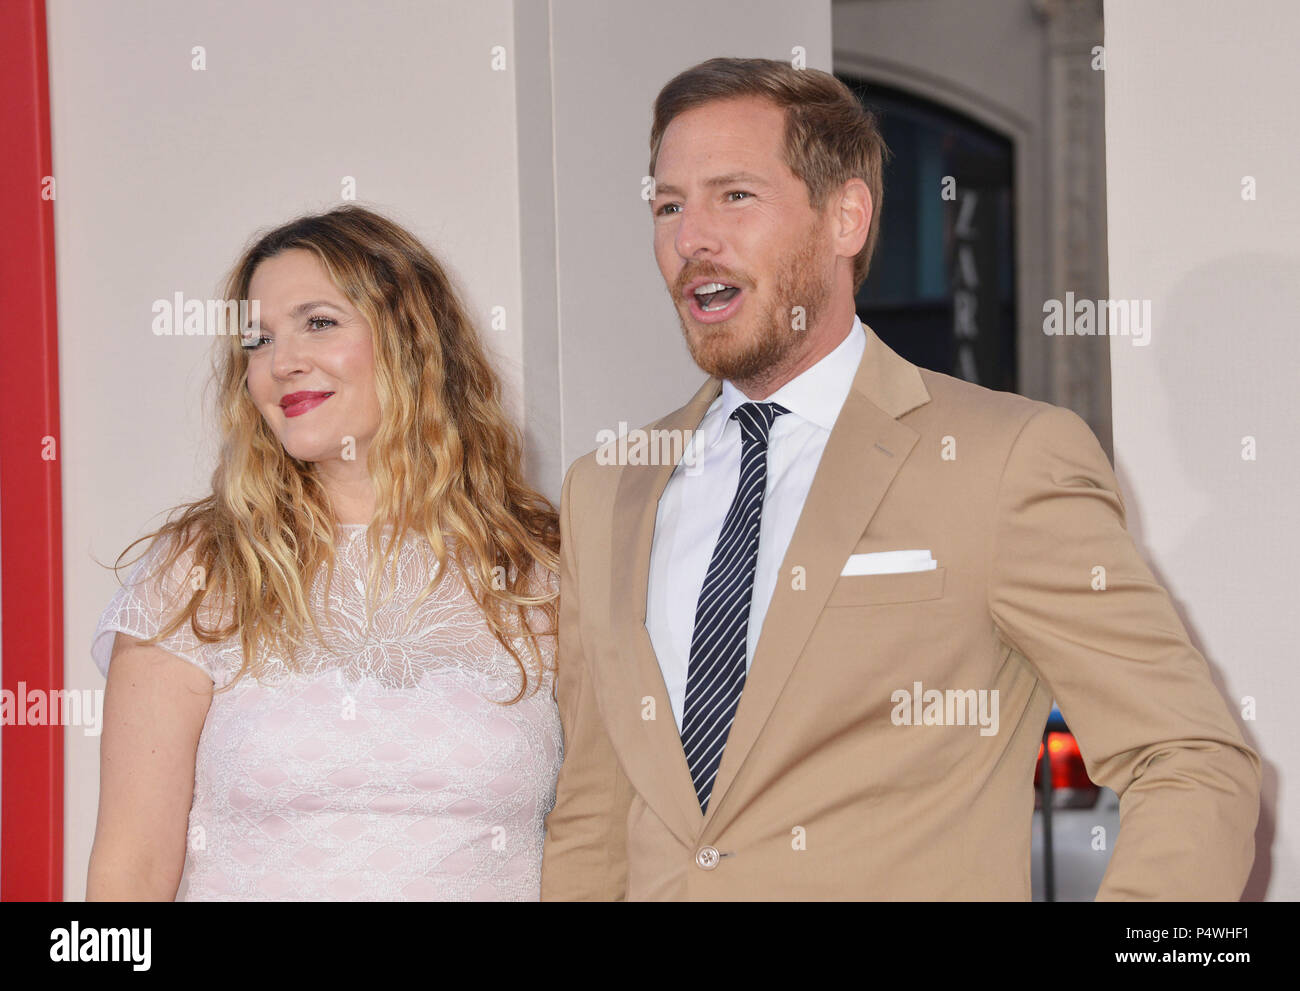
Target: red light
x=1068 y=769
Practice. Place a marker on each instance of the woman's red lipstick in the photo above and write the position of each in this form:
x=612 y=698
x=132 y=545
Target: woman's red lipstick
x=298 y=403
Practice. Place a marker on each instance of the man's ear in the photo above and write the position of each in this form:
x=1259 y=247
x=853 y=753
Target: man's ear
x=851 y=220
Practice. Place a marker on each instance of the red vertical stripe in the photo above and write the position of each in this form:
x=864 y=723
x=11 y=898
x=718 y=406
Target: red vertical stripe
x=31 y=546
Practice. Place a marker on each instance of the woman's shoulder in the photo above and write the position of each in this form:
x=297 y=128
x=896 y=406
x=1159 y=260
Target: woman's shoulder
x=161 y=586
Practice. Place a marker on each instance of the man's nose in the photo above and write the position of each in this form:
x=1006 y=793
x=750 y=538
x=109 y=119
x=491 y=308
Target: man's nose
x=697 y=232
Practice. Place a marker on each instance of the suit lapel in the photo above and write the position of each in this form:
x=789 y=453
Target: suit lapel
x=863 y=454
x=656 y=766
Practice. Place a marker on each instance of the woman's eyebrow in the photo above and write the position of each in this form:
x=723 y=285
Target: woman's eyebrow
x=302 y=308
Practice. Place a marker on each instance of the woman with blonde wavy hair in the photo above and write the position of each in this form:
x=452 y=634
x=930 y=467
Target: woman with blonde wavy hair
x=331 y=678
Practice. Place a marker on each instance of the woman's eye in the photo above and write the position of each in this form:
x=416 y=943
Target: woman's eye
x=252 y=343
x=315 y=320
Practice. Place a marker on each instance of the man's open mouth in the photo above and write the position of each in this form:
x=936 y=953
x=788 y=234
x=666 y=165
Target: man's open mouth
x=715 y=295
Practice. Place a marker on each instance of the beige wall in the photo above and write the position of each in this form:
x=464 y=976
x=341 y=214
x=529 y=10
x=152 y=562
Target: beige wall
x=1190 y=111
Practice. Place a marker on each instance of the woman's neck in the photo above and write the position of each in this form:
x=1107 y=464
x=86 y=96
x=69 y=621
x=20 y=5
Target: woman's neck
x=350 y=491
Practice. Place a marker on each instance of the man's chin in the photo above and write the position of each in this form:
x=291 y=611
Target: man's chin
x=727 y=350
x=713 y=346
x=723 y=360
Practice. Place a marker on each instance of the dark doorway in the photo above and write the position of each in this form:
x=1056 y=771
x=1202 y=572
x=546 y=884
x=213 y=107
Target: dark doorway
x=942 y=286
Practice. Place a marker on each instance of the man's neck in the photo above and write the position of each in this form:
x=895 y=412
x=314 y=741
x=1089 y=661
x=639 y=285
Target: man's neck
x=822 y=340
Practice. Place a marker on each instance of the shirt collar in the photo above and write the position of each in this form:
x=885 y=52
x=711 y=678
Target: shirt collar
x=816 y=394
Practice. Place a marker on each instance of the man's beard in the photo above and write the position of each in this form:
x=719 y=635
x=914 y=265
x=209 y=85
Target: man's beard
x=719 y=350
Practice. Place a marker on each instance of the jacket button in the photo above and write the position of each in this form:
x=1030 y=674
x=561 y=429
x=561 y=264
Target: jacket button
x=707 y=858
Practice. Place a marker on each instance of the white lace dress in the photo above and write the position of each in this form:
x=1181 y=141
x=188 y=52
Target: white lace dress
x=386 y=771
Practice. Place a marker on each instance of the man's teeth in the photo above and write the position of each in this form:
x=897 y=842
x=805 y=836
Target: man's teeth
x=706 y=294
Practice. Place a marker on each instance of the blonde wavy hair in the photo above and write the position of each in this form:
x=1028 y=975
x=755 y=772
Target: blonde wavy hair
x=445 y=462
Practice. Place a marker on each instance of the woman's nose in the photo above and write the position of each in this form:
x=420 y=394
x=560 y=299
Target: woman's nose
x=287 y=356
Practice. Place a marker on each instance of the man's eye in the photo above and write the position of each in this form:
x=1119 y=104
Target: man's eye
x=668 y=206
x=315 y=320
x=737 y=192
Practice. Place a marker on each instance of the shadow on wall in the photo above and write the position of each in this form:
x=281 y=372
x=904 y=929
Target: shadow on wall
x=1224 y=370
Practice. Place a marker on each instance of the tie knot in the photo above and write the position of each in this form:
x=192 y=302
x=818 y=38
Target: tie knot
x=756 y=419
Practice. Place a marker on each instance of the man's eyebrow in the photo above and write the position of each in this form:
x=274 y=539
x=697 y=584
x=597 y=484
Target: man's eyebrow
x=731 y=178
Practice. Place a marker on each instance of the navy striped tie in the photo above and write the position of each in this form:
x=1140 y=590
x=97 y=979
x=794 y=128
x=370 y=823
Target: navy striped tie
x=717 y=667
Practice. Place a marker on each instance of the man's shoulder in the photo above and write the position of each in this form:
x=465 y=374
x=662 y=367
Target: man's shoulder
x=999 y=420
x=951 y=396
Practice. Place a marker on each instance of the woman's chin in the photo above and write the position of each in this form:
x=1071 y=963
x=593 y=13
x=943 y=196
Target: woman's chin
x=346 y=452
x=311 y=453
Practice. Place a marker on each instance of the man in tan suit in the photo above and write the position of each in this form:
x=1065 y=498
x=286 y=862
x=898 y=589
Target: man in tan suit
x=814 y=660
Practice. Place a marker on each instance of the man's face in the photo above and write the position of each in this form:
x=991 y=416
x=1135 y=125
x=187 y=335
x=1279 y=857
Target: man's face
x=728 y=211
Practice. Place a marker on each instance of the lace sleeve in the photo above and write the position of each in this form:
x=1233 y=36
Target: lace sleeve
x=145 y=604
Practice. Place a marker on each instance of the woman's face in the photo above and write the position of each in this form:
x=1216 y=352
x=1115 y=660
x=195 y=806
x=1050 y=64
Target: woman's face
x=311 y=373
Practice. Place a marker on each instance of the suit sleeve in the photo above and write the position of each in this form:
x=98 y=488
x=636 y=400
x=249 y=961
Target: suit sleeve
x=1137 y=695
x=585 y=853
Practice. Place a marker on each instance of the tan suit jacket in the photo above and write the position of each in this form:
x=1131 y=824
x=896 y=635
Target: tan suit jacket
x=821 y=792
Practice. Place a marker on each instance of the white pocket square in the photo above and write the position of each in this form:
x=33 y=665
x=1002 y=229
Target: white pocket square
x=888 y=563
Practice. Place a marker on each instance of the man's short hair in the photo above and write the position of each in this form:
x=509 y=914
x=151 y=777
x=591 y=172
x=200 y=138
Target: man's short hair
x=829 y=136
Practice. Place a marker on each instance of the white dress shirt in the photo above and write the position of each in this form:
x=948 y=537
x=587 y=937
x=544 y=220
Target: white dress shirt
x=694 y=505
